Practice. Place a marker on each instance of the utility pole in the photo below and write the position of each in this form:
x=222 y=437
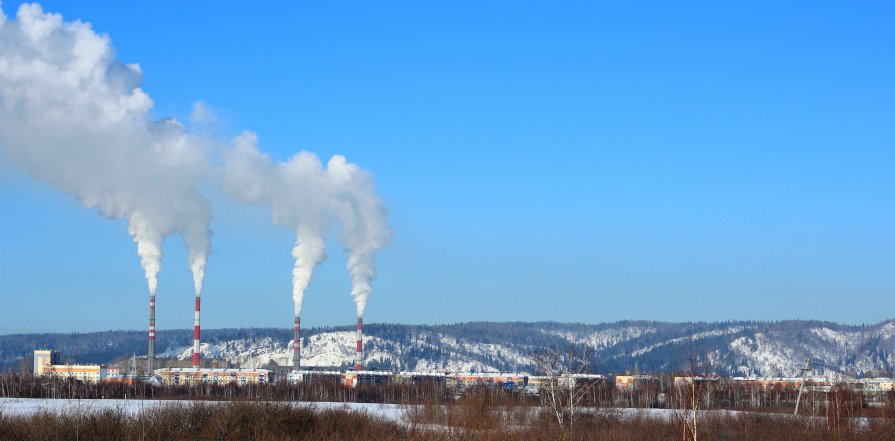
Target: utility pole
x=802 y=384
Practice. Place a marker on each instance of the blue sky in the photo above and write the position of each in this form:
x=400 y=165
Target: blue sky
x=577 y=161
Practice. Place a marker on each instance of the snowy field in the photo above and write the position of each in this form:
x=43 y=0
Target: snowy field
x=30 y=406
x=391 y=412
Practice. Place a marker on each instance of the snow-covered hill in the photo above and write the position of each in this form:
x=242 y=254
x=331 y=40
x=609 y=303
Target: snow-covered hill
x=729 y=348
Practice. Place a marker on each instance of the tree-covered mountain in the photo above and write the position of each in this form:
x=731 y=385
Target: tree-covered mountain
x=727 y=348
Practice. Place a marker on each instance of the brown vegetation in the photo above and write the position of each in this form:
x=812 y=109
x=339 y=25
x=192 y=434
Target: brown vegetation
x=201 y=421
x=436 y=412
x=478 y=416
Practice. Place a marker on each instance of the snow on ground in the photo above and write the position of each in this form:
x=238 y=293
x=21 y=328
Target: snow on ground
x=391 y=412
x=396 y=413
x=31 y=406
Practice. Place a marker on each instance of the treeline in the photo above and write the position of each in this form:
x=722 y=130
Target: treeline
x=656 y=393
x=13 y=385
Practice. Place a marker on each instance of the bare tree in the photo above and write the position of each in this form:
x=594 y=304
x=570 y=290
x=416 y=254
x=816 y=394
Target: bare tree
x=562 y=392
x=692 y=389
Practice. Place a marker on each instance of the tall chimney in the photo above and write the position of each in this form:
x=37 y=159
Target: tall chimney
x=196 y=334
x=150 y=355
x=296 y=344
x=359 y=358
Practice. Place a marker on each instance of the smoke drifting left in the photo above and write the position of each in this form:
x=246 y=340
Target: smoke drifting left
x=74 y=116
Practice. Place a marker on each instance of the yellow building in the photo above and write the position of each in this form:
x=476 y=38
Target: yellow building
x=88 y=373
x=624 y=382
x=43 y=358
x=486 y=378
x=214 y=376
x=46 y=363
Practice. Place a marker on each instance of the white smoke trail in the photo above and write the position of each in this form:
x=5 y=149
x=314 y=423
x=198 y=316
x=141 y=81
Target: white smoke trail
x=309 y=251
x=364 y=224
x=303 y=197
x=297 y=193
x=75 y=117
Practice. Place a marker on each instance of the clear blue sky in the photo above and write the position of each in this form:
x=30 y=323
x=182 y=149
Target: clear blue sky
x=578 y=161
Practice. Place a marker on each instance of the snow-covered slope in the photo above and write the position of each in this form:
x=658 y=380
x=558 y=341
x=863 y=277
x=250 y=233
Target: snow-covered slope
x=729 y=348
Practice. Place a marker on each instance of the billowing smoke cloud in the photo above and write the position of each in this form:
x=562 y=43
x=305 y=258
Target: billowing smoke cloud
x=364 y=224
x=303 y=196
x=73 y=116
x=297 y=198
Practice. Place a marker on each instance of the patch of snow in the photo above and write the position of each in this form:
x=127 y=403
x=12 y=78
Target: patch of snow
x=605 y=338
x=697 y=336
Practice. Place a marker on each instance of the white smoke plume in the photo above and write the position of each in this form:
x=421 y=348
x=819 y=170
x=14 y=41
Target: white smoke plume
x=364 y=224
x=303 y=196
x=73 y=116
x=297 y=195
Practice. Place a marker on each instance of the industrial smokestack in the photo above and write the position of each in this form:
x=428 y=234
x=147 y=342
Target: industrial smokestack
x=305 y=197
x=75 y=117
x=296 y=345
x=150 y=357
x=359 y=357
x=196 y=333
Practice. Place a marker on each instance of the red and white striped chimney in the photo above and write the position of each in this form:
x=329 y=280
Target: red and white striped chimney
x=196 y=334
x=359 y=357
x=296 y=344
x=150 y=355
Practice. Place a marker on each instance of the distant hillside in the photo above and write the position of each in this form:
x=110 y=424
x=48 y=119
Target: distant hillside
x=729 y=348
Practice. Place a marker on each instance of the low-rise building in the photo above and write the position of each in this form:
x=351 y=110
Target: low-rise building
x=47 y=362
x=407 y=377
x=507 y=379
x=183 y=376
x=312 y=376
x=354 y=378
x=624 y=382
x=680 y=381
x=781 y=382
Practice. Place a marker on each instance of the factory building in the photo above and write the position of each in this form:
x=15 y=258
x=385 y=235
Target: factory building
x=438 y=378
x=564 y=380
x=47 y=363
x=356 y=378
x=183 y=376
x=314 y=376
x=878 y=384
x=630 y=382
x=507 y=379
x=779 y=382
x=353 y=378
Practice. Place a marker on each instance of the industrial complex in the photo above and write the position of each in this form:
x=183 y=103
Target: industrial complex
x=47 y=364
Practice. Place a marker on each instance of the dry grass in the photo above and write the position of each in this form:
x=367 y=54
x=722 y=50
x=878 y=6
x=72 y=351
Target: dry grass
x=202 y=421
x=475 y=418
